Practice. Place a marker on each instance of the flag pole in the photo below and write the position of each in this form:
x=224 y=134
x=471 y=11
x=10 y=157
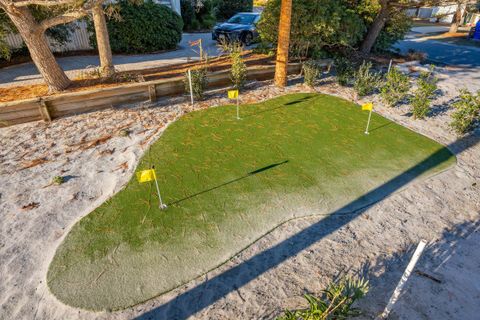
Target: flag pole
x=368 y=123
x=161 y=204
x=190 y=84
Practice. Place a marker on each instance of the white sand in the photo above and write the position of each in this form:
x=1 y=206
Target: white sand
x=444 y=210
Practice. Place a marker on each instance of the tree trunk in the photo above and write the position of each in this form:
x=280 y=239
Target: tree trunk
x=34 y=37
x=375 y=28
x=103 y=42
x=457 y=19
x=283 y=43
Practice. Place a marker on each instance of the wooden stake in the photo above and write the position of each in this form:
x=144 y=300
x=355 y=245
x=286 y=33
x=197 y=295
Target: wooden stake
x=44 y=113
x=152 y=92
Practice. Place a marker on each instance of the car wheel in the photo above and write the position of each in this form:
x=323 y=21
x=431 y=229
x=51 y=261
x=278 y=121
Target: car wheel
x=247 y=39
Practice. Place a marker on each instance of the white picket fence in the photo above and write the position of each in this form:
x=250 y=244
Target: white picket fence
x=79 y=38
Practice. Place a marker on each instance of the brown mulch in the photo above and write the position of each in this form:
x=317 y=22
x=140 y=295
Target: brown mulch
x=170 y=71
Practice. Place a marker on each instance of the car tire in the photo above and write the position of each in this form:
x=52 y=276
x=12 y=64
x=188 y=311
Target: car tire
x=247 y=39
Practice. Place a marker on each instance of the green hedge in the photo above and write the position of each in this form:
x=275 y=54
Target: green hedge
x=227 y=8
x=197 y=18
x=143 y=27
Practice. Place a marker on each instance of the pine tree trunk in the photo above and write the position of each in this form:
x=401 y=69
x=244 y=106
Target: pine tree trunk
x=375 y=28
x=103 y=42
x=457 y=19
x=283 y=43
x=34 y=37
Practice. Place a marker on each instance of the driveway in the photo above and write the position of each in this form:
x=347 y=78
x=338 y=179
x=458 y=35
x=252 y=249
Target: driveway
x=26 y=73
x=441 y=52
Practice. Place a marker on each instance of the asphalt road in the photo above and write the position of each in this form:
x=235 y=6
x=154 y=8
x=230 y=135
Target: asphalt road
x=441 y=52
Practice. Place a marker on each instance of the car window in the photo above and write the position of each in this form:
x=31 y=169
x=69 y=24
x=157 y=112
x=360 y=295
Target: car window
x=242 y=19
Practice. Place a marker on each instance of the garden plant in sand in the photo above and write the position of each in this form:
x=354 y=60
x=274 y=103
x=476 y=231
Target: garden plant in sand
x=366 y=81
x=395 y=88
x=467 y=112
x=335 y=302
x=424 y=93
x=226 y=183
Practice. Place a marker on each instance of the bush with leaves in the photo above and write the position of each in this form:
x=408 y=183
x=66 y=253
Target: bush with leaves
x=142 y=26
x=225 y=9
x=238 y=72
x=311 y=71
x=334 y=303
x=366 y=81
x=344 y=70
x=467 y=112
x=395 y=88
x=197 y=15
x=199 y=82
x=317 y=26
x=424 y=94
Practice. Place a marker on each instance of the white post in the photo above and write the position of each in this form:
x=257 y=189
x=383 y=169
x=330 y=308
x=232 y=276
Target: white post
x=190 y=84
x=368 y=123
x=238 y=107
x=390 y=65
x=403 y=280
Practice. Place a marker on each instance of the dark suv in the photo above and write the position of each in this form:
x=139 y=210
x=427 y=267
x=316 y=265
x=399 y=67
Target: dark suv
x=241 y=27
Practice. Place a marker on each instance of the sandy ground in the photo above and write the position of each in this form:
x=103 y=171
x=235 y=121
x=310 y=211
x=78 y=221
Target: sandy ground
x=301 y=256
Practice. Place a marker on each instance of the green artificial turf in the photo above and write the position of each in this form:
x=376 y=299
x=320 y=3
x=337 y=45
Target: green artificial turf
x=227 y=182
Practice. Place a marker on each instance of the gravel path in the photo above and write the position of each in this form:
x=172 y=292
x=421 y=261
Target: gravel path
x=298 y=257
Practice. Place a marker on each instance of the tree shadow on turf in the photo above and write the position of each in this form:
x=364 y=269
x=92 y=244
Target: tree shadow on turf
x=251 y=173
x=211 y=290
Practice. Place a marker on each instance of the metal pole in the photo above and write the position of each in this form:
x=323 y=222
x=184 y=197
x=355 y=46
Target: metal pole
x=403 y=280
x=190 y=84
x=368 y=123
x=390 y=65
x=161 y=205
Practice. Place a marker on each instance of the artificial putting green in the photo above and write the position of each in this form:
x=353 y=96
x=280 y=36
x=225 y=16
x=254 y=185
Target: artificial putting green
x=227 y=182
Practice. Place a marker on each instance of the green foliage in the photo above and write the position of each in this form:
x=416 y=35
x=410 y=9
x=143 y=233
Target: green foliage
x=366 y=81
x=311 y=72
x=395 y=88
x=58 y=180
x=344 y=70
x=225 y=9
x=143 y=26
x=197 y=15
x=424 y=94
x=395 y=29
x=238 y=72
x=467 y=112
x=317 y=26
x=335 y=302
x=199 y=82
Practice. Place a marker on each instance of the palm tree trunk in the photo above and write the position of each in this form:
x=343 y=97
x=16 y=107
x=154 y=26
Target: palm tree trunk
x=103 y=42
x=283 y=43
x=375 y=29
x=34 y=37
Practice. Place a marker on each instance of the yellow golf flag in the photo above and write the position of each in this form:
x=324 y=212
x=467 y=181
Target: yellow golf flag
x=367 y=106
x=232 y=94
x=146 y=176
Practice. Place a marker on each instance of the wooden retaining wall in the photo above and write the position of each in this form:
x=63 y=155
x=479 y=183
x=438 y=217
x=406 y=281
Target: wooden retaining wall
x=52 y=107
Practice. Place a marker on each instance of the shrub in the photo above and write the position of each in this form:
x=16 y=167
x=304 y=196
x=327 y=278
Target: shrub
x=335 y=303
x=197 y=15
x=396 y=87
x=311 y=72
x=238 y=71
x=467 y=112
x=227 y=8
x=58 y=180
x=199 y=82
x=317 y=26
x=365 y=80
x=344 y=69
x=424 y=94
x=143 y=26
